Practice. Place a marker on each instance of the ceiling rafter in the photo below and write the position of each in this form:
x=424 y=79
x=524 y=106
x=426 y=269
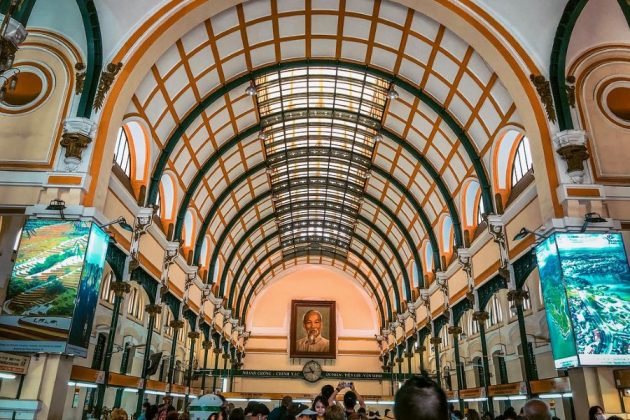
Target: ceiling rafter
x=260 y=198
x=274 y=235
x=239 y=81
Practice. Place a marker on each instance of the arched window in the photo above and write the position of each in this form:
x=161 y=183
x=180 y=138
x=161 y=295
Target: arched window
x=183 y=333
x=428 y=257
x=522 y=161
x=446 y=236
x=136 y=304
x=157 y=326
x=480 y=211
x=167 y=323
x=158 y=204
x=495 y=315
x=167 y=197
x=189 y=227
x=473 y=326
x=122 y=155
x=106 y=293
x=445 y=337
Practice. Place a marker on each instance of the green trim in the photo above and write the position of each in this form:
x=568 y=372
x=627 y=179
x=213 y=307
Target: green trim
x=148 y=283
x=279 y=248
x=92 y=28
x=255 y=248
x=558 y=61
x=181 y=214
x=488 y=289
x=270 y=216
x=276 y=264
x=625 y=8
x=468 y=144
x=23 y=12
x=413 y=247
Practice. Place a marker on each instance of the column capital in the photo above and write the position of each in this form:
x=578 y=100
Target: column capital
x=153 y=309
x=571 y=146
x=193 y=335
x=455 y=330
x=207 y=344
x=480 y=316
x=176 y=324
x=435 y=340
x=120 y=288
x=76 y=135
x=517 y=296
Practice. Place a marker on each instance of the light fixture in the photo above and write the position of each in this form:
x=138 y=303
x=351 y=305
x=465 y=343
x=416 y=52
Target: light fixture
x=132 y=390
x=251 y=89
x=8 y=81
x=82 y=385
x=7 y=375
x=12 y=33
x=392 y=94
x=57 y=205
x=524 y=232
x=592 y=218
x=120 y=221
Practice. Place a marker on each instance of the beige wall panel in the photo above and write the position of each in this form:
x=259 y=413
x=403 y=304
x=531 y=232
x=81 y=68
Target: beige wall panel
x=529 y=217
x=457 y=282
x=18 y=196
x=484 y=258
x=151 y=249
x=177 y=277
x=36 y=141
x=437 y=301
x=619 y=210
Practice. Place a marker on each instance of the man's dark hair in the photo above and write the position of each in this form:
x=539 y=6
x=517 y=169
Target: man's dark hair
x=287 y=401
x=260 y=409
x=420 y=398
x=327 y=391
x=349 y=400
x=237 y=414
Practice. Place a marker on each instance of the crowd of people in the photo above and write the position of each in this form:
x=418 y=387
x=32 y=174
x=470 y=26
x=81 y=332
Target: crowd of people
x=419 y=398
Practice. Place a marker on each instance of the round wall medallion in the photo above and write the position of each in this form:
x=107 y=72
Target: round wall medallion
x=618 y=101
x=613 y=100
x=34 y=85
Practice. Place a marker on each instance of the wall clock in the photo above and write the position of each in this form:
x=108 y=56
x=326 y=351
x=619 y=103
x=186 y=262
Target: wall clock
x=312 y=371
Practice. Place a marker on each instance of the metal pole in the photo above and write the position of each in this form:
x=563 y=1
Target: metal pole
x=193 y=335
x=176 y=324
x=456 y=331
x=153 y=310
x=517 y=296
x=214 y=373
x=436 y=349
x=119 y=288
x=206 y=348
x=481 y=317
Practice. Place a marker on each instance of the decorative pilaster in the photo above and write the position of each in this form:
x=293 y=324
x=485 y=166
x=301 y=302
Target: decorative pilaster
x=571 y=146
x=170 y=255
x=107 y=78
x=543 y=87
x=455 y=331
x=481 y=317
x=76 y=136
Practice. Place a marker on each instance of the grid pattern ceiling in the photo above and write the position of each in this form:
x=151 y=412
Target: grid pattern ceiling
x=319 y=129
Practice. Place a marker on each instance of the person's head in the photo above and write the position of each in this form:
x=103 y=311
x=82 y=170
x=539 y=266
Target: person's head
x=319 y=406
x=510 y=413
x=486 y=416
x=312 y=322
x=420 y=398
x=305 y=414
x=287 y=401
x=349 y=400
x=473 y=414
x=596 y=413
x=536 y=410
x=259 y=411
x=118 y=414
x=388 y=414
x=237 y=414
x=184 y=416
x=145 y=406
x=151 y=412
x=334 y=412
x=327 y=391
x=167 y=399
x=172 y=415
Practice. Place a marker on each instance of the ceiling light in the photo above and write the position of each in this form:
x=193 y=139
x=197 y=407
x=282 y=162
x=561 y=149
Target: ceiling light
x=7 y=375
x=392 y=94
x=251 y=89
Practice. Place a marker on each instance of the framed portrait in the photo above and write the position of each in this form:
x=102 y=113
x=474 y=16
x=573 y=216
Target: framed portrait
x=313 y=329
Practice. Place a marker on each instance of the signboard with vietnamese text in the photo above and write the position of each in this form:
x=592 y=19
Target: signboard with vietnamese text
x=13 y=363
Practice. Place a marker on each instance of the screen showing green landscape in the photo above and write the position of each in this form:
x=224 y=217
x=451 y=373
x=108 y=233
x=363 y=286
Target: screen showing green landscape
x=43 y=286
x=556 y=305
x=597 y=280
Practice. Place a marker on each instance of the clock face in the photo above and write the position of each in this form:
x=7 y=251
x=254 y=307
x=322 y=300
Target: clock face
x=312 y=371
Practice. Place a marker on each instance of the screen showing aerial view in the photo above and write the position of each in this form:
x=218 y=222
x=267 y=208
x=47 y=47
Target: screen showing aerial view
x=556 y=305
x=597 y=280
x=43 y=286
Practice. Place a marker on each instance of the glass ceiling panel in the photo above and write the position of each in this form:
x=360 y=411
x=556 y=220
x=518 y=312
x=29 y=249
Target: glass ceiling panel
x=319 y=130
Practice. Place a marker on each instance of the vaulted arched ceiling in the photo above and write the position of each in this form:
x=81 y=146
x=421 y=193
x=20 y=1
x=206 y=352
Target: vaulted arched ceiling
x=405 y=158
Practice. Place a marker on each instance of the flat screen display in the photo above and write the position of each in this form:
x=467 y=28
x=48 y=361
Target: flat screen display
x=48 y=276
x=597 y=280
x=556 y=305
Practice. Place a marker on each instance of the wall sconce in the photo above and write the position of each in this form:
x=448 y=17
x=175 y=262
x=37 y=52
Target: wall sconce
x=592 y=218
x=57 y=205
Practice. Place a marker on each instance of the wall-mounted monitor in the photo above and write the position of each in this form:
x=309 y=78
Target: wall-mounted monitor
x=53 y=290
x=585 y=280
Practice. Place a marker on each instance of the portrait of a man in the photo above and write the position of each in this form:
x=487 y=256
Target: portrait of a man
x=312 y=329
